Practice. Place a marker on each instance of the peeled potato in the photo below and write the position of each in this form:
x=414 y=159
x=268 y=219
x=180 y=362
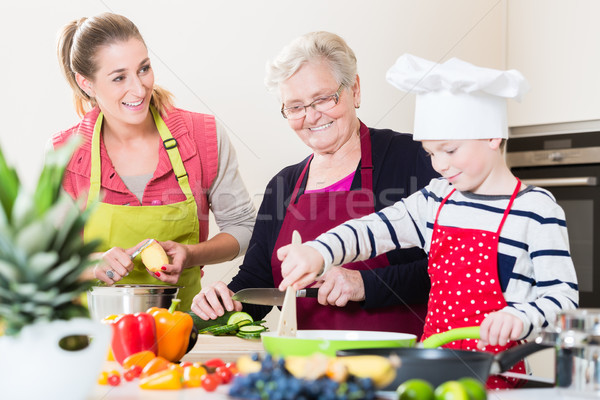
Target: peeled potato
x=154 y=257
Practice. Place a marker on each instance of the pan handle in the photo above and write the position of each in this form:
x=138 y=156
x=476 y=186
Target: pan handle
x=439 y=339
x=504 y=360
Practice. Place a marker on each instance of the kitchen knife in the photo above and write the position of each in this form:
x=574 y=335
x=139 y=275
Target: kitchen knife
x=269 y=296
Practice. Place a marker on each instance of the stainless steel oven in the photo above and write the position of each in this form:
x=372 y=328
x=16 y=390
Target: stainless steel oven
x=567 y=163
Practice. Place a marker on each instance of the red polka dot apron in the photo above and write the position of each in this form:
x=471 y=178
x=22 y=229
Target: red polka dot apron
x=463 y=268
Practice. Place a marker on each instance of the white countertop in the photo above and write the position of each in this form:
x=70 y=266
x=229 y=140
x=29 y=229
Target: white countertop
x=131 y=391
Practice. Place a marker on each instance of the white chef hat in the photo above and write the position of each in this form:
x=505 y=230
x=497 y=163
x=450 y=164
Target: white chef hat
x=457 y=100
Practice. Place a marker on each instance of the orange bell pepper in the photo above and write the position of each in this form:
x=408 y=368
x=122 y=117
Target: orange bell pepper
x=173 y=330
x=169 y=379
x=155 y=365
x=141 y=358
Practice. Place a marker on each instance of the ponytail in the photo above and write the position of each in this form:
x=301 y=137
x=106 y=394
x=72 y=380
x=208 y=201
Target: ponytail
x=82 y=102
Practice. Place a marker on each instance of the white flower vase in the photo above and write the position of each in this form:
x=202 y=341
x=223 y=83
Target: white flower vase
x=34 y=366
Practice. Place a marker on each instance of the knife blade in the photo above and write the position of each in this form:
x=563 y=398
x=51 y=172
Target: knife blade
x=269 y=296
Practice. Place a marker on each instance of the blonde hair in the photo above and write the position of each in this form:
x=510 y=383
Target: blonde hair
x=78 y=44
x=313 y=47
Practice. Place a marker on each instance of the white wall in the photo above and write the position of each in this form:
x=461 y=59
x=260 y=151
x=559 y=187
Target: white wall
x=211 y=55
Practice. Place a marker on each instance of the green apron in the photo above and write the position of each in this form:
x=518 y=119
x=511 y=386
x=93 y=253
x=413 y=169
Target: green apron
x=125 y=226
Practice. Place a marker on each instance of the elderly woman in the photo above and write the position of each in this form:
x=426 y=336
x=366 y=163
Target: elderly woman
x=353 y=170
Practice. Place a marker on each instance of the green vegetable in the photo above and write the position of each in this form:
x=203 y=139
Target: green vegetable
x=239 y=316
x=201 y=324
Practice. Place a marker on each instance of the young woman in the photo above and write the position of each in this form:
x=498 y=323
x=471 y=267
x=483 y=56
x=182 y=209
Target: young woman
x=156 y=170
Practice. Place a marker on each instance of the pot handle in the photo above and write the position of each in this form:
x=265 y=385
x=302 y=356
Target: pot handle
x=439 y=339
x=504 y=360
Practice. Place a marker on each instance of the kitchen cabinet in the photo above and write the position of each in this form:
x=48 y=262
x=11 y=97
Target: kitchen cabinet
x=554 y=43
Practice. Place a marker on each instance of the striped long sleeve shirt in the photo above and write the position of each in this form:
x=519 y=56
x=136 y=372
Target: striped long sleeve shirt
x=535 y=269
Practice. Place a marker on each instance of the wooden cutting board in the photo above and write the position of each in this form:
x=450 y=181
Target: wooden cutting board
x=227 y=348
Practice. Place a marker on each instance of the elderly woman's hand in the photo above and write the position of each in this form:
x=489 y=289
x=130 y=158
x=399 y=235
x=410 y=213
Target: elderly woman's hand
x=339 y=286
x=208 y=304
x=300 y=265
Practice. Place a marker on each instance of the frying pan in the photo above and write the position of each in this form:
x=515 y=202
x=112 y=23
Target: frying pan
x=437 y=365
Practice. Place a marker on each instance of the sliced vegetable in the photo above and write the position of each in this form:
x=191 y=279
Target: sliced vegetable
x=252 y=329
x=239 y=316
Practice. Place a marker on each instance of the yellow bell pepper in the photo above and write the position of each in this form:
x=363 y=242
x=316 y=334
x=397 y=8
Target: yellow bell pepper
x=168 y=379
x=109 y=320
x=173 y=329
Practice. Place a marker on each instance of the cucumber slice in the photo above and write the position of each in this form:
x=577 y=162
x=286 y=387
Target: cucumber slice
x=239 y=316
x=253 y=329
x=248 y=335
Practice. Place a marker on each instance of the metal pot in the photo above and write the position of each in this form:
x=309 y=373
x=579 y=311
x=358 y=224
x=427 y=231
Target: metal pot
x=577 y=343
x=128 y=299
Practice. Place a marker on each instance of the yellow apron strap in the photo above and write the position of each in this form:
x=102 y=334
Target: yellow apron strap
x=170 y=145
x=95 y=168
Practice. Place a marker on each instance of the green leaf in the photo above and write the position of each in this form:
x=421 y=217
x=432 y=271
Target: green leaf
x=35 y=237
x=8 y=271
x=49 y=182
x=9 y=182
x=41 y=263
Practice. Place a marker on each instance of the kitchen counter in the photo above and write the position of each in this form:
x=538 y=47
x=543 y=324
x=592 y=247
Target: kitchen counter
x=230 y=348
x=130 y=391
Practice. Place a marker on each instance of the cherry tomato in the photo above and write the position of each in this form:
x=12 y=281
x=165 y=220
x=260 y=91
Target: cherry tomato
x=209 y=383
x=114 y=380
x=232 y=367
x=225 y=374
x=132 y=372
x=214 y=363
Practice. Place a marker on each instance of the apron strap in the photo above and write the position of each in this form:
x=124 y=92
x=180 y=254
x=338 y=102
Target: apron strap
x=366 y=159
x=441 y=205
x=366 y=164
x=95 y=167
x=510 y=203
x=169 y=143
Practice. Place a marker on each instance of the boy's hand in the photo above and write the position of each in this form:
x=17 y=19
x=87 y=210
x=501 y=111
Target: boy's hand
x=499 y=327
x=300 y=265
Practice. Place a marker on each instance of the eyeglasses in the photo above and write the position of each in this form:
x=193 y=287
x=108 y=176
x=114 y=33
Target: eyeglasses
x=321 y=104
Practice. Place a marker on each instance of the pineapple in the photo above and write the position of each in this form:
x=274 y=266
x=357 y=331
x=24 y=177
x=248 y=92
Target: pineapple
x=42 y=253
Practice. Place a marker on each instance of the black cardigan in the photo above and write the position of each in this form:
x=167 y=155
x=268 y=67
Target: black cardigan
x=400 y=167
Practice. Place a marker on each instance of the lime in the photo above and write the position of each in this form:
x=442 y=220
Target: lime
x=451 y=390
x=474 y=388
x=415 y=389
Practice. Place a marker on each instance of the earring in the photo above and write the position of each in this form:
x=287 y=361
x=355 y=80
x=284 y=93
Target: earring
x=357 y=106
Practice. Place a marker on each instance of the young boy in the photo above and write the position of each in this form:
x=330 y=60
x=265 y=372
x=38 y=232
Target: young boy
x=498 y=249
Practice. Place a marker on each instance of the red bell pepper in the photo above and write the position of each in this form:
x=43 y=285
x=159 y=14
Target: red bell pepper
x=133 y=333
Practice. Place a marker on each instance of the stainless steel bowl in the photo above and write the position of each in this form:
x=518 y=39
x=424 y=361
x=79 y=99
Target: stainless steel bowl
x=128 y=299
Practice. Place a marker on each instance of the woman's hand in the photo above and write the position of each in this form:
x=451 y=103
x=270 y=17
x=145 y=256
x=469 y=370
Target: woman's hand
x=178 y=254
x=116 y=263
x=208 y=304
x=339 y=286
x=497 y=328
x=300 y=265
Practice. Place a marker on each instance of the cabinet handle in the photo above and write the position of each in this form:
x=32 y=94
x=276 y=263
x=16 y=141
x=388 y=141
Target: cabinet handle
x=554 y=182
